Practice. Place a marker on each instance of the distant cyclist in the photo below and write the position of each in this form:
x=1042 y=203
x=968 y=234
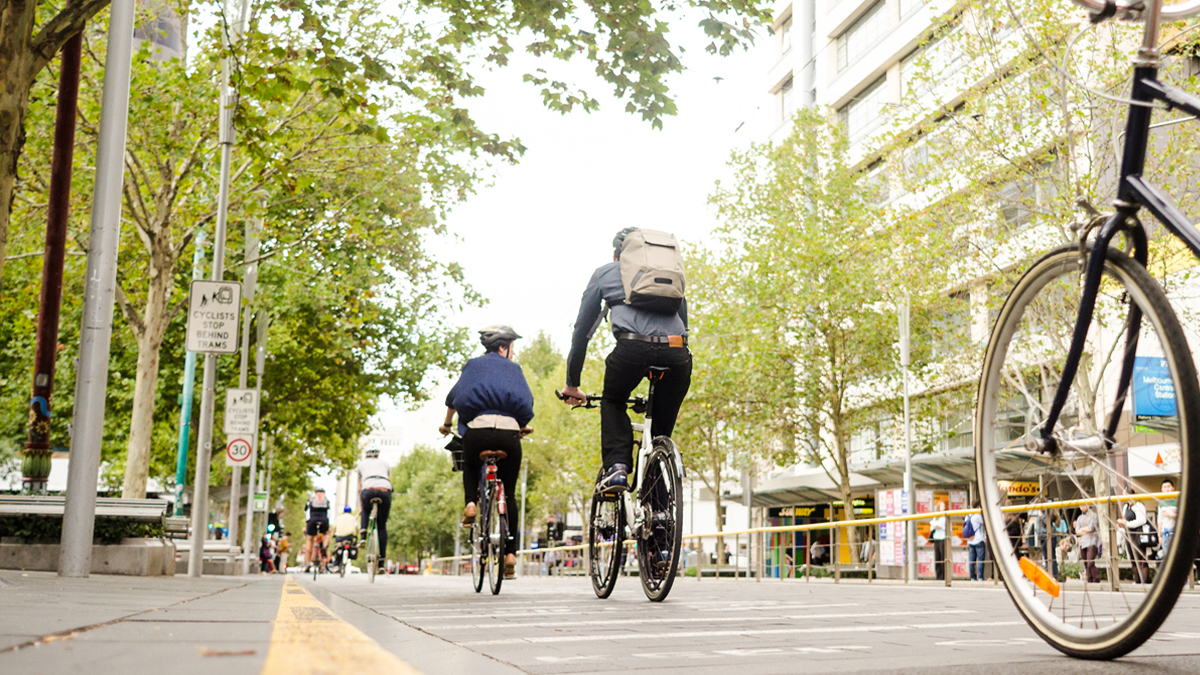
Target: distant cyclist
x=494 y=406
x=345 y=528
x=374 y=475
x=316 y=523
x=646 y=336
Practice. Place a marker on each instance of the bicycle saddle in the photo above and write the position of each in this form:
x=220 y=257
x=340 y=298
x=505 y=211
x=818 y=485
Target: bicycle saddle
x=657 y=372
x=492 y=454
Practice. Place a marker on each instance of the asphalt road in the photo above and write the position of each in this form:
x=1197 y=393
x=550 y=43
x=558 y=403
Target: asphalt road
x=439 y=626
x=543 y=626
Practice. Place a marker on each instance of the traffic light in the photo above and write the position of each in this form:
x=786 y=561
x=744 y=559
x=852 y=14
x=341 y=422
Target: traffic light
x=554 y=531
x=272 y=523
x=558 y=531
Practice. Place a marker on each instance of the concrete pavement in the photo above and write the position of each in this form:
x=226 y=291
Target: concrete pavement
x=438 y=625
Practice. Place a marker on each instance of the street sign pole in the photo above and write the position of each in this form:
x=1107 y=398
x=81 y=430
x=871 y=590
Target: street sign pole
x=91 y=379
x=251 y=509
x=249 y=277
x=209 y=394
x=910 y=498
x=189 y=391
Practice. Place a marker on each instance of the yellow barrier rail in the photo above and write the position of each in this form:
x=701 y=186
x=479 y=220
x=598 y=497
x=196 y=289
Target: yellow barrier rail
x=838 y=525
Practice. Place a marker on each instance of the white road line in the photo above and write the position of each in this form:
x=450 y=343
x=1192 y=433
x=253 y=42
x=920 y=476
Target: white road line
x=712 y=619
x=734 y=633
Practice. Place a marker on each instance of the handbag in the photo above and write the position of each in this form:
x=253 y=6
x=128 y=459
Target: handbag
x=1146 y=536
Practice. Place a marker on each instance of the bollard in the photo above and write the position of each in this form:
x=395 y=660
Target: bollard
x=835 y=550
x=737 y=547
x=808 y=555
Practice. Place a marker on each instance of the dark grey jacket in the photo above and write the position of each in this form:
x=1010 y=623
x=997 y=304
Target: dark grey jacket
x=605 y=288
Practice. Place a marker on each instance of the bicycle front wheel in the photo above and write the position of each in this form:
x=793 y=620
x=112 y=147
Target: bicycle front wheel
x=661 y=497
x=606 y=542
x=497 y=535
x=1099 y=612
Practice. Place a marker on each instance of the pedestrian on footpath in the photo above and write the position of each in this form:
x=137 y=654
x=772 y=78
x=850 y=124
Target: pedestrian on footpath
x=284 y=549
x=937 y=534
x=1086 y=526
x=976 y=544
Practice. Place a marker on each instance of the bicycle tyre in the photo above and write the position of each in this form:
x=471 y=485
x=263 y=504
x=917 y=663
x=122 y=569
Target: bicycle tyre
x=496 y=533
x=606 y=533
x=342 y=560
x=478 y=554
x=372 y=546
x=316 y=565
x=1005 y=386
x=661 y=497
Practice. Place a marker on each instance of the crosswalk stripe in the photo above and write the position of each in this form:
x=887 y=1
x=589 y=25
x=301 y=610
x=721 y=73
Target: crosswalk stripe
x=561 y=625
x=310 y=639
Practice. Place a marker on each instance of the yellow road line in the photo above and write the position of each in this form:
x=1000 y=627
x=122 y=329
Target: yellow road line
x=310 y=639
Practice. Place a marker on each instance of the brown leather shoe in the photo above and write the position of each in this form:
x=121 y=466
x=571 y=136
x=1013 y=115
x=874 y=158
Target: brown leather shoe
x=510 y=566
x=469 y=514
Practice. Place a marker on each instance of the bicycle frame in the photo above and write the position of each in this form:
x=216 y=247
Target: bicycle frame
x=1133 y=193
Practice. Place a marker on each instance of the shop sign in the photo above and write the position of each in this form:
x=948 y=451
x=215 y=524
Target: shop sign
x=1018 y=488
x=1153 y=389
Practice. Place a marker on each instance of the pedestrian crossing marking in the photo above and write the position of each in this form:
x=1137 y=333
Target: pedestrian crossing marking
x=309 y=639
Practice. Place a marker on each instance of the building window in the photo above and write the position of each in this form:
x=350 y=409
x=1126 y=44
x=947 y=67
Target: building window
x=863 y=34
x=865 y=113
x=909 y=6
x=787 y=100
x=875 y=184
x=785 y=36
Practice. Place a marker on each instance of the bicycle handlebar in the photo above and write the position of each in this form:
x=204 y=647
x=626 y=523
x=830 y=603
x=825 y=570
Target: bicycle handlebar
x=1132 y=9
x=589 y=401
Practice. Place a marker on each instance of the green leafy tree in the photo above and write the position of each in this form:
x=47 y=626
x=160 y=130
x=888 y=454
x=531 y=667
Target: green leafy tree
x=426 y=505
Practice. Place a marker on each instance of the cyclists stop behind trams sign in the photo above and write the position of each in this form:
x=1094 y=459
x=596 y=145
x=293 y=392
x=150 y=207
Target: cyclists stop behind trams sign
x=212 y=322
x=241 y=412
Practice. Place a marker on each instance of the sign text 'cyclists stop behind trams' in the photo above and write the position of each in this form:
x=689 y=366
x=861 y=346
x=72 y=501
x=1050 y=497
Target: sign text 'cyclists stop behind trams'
x=241 y=412
x=212 y=322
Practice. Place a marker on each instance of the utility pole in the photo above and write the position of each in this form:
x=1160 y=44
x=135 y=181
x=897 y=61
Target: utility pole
x=910 y=498
x=227 y=137
x=259 y=362
x=91 y=378
x=249 y=277
x=189 y=392
x=36 y=463
x=524 y=489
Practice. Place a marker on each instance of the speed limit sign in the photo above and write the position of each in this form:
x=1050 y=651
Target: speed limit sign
x=237 y=453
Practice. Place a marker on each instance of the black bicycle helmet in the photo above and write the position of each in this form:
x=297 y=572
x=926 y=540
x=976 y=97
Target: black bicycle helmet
x=495 y=337
x=619 y=240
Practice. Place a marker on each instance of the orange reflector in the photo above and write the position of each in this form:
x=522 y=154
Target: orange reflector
x=1040 y=577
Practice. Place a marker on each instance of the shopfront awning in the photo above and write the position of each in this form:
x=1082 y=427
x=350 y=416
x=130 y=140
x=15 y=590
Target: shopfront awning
x=811 y=486
x=954 y=467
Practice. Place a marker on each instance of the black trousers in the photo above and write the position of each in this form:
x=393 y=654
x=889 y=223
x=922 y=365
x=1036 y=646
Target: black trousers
x=385 y=507
x=476 y=441
x=624 y=368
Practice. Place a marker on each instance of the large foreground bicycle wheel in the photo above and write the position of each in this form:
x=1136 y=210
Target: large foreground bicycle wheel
x=497 y=534
x=478 y=554
x=606 y=536
x=1099 y=612
x=661 y=497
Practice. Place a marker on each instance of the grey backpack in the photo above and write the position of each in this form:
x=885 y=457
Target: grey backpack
x=652 y=271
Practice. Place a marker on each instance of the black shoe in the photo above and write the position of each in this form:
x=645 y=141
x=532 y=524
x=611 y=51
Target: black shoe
x=614 y=481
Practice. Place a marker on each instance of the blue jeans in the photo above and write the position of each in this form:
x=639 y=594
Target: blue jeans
x=976 y=555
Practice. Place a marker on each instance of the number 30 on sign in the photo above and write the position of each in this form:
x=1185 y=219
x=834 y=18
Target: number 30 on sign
x=237 y=453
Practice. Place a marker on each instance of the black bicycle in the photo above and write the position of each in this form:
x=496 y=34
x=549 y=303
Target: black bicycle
x=1084 y=328
x=489 y=532
x=656 y=507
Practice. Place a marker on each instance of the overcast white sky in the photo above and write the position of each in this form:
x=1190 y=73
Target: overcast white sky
x=530 y=240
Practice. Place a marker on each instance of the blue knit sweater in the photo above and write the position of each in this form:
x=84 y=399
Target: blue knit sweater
x=491 y=385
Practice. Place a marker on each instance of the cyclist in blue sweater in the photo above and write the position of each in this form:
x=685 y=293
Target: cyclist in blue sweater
x=494 y=407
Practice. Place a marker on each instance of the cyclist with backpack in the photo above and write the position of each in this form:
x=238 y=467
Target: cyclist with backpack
x=642 y=291
x=494 y=407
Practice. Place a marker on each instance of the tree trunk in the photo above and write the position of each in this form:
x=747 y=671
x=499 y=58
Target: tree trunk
x=716 y=489
x=150 y=337
x=16 y=26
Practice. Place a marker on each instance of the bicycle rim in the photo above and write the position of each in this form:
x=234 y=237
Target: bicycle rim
x=495 y=542
x=478 y=555
x=1089 y=619
x=661 y=497
x=606 y=548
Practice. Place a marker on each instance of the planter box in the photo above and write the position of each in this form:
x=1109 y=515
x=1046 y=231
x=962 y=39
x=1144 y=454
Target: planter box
x=132 y=557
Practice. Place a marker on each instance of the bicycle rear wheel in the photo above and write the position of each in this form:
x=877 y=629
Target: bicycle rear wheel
x=1089 y=618
x=343 y=560
x=606 y=537
x=478 y=554
x=661 y=497
x=497 y=535
x=372 y=547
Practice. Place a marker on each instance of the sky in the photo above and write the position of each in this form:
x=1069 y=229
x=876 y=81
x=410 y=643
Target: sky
x=531 y=238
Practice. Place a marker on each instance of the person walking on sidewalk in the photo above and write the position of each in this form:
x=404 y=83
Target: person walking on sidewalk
x=937 y=534
x=1086 y=527
x=976 y=545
